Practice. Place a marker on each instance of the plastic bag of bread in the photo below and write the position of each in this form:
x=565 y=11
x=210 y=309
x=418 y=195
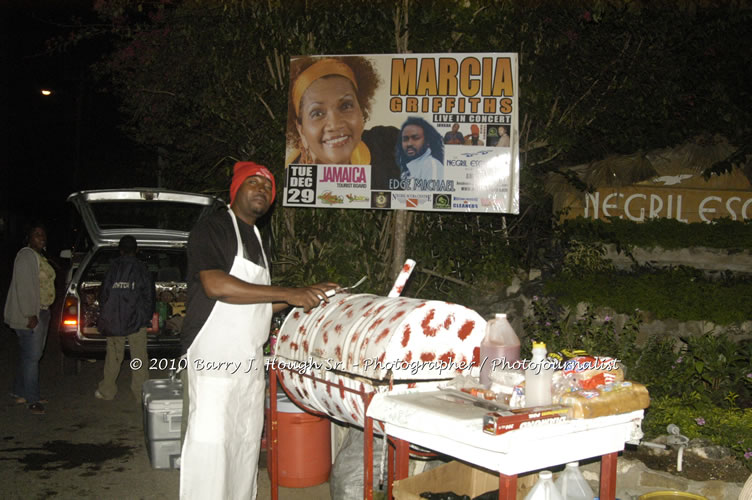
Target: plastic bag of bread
x=592 y=371
x=610 y=399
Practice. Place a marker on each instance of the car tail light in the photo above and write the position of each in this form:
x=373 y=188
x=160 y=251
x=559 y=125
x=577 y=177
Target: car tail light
x=69 y=321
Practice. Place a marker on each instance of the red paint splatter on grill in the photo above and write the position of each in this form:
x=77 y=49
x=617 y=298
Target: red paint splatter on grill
x=284 y=338
x=427 y=356
x=338 y=328
x=447 y=357
x=375 y=324
x=399 y=289
x=329 y=389
x=341 y=389
x=382 y=335
x=448 y=321
x=408 y=356
x=406 y=336
x=326 y=325
x=476 y=356
x=354 y=417
x=325 y=336
x=338 y=352
x=296 y=315
x=381 y=358
x=398 y=315
x=428 y=330
x=305 y=346
x=326 y=403
x=349 y=314
x=349 y=359
x=412 y=385
x=466 y=329
x=293 y=346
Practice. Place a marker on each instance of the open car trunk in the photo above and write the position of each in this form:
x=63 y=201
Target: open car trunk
x=168 y=269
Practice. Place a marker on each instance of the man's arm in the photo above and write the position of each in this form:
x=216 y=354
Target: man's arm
x=220 y=285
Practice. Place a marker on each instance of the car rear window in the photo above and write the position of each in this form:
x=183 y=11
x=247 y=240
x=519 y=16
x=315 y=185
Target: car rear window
x=164 y=265
x=152 y=215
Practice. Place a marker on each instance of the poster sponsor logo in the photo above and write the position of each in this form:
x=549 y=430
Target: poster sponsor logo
x=380 y=199
x=442 y=201
x=329 y=198
x=353 y=198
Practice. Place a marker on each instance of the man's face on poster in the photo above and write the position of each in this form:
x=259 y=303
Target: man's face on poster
x=413 y=141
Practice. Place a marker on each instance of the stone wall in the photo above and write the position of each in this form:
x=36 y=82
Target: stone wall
x=710 y=260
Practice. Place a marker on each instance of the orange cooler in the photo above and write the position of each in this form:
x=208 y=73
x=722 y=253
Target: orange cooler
x=303 y=447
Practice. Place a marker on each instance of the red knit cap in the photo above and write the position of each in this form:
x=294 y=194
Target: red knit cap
x=245 y=169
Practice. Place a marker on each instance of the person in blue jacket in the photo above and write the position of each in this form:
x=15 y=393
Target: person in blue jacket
x=126 y=307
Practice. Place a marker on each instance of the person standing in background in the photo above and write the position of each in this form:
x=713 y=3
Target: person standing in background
x=126 y=306
x=31 y=293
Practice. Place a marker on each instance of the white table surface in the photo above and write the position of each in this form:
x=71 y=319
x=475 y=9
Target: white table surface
x=442 y=424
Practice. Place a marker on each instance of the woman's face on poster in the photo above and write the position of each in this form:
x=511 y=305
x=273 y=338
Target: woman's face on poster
x=331 y=120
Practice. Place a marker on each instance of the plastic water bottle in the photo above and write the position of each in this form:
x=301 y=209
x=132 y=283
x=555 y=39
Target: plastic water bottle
x=544 y=489
x=572 y=484
x=538 y=378
x=499 y=348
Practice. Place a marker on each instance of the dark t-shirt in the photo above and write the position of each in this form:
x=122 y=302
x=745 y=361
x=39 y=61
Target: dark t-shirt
x=212 y=245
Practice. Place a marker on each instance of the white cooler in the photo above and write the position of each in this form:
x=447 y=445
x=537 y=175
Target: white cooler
x=163 y=414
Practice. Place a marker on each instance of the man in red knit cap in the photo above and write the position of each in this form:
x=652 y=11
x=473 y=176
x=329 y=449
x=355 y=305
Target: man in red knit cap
x=230 y=305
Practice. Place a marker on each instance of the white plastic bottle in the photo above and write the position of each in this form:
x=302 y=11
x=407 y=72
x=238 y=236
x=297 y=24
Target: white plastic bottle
x=538 y=378
x=544 y=489
x=572 y=484
x=500 y=345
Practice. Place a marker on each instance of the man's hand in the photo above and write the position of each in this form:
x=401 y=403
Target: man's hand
x=33 y=322
x=310 y=296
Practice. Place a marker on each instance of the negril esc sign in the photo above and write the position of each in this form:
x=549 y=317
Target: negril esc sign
x=689 y=205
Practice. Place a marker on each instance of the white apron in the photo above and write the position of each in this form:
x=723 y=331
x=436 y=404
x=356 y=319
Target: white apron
x=220 y=454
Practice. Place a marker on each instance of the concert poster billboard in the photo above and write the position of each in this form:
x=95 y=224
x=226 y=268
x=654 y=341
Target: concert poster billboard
x=429 y=132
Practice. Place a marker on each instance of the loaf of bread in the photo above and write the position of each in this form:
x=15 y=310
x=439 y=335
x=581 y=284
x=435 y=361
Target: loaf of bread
x=610 y=399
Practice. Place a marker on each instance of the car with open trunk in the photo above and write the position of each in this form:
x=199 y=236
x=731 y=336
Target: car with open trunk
x=161 y=221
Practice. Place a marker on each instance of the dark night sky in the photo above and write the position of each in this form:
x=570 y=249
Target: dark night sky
x=55 y=145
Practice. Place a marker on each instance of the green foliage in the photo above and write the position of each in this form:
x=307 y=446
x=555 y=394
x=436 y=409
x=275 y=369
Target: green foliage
x=698 y=418
x=668 y=234
x=682 y=294
x=205 y=84
x=585 y=258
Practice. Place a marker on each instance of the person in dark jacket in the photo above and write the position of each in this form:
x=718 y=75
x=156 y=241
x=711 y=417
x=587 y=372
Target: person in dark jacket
x=126 y=306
